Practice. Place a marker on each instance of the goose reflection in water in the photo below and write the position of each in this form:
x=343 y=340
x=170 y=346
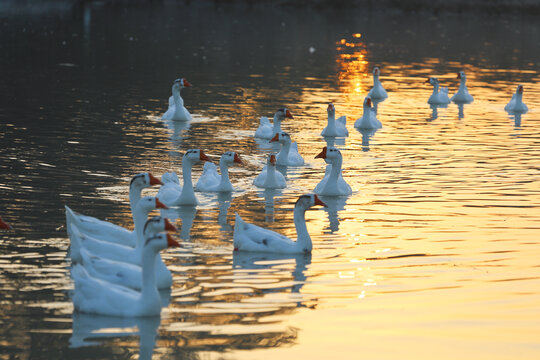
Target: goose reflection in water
x=267 y=261
x=186 y=213
x=435 y=110
x=90 y=330
x=177 y=128
x=269 y=195
x=334 y=204
x=224 y=199
x=366 y=137
x=333 y=140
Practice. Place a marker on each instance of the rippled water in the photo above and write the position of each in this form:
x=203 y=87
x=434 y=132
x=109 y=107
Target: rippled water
x=434 y=255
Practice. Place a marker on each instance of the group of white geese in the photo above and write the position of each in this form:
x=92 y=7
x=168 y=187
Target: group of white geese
x=118 y=272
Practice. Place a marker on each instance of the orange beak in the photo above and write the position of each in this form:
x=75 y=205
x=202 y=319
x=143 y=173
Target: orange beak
x=459 y=75
x=237 y=159
x=169 y=226
x=288 y=114
x=203 y=157
x=322 y=154
x=427 y=81
x=273 y=159
x=330 y=107
x=4 y=225
x=275 y=138
x=368 y=102
x=171 y=242
x=160 y=205
x=186 y=83
x=154 y=180
x=520 y=89
x=319 y=201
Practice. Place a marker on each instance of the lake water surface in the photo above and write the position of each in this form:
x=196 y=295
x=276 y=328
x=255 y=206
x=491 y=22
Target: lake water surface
x=435 y=255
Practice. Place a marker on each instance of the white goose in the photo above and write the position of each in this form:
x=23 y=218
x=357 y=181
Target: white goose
x=289 y=155
x=107 y=231
x=462 y=95
x=211 y=181
x=333 y=183
x=171 y=193
x=267 y=130
x=98 y=296
x=377 y=91
x=249 y=237
x=125 y=273
x=176 y=110
x=369 y=118
x=516 y=104
x=335 y=127
x=269 y=178
x=119 y=252
x=437 y=97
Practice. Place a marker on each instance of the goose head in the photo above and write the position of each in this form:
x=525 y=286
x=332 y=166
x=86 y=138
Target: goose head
x=160 y=241
x=519 y=89
x=180 y=84
x=149 y=203
x=4 y=225
x=158 y=224
x=376 y=71
x=331 y=110
x=144 y=180
x=308 y=200
x=432 y=80
x=330 y=154
x=461 y=75
x=281 y=137
x=194 y=156
x=367 y=103
x=283 y=113
x=230 y=158
x=271 y=161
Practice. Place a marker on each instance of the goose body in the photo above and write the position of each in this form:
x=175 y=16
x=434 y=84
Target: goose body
x=270 y=178
x=333 y=183
x=118 y=252
x=462 y=95
x=438 y=97
x=211 y=181
x=289 y=155
x=266 y=130
x=335 y=127
x=369 y=118
x=516 y=103
x=176 y=110
x=171 y=193
x=253 y=238
x=125 y=273
x=107 y=231
x=97 y=296
x=377 y=91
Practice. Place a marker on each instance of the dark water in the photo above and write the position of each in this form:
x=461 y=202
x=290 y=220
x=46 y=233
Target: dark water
x=436 y=248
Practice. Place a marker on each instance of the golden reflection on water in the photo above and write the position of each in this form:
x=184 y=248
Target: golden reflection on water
x=352 y=64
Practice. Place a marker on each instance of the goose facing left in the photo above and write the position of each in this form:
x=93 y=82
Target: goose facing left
x=96 y=296
x=107 y=231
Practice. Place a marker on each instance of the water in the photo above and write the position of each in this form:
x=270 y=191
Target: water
x=435 y=250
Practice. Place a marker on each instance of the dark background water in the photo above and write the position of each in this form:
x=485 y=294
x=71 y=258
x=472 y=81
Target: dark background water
x=82 y=83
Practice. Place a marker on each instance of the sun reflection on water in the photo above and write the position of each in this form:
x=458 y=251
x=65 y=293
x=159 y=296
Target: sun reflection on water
x=352 y=68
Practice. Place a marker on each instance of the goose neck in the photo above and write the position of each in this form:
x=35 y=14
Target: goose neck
x=149 y=289
x=224 y=168
x=435 y=89
x=178 y=101
x=139 y=219
x=277 y=124
x=270 y=174
x=303 y=239
x=134 y=197
x=283 y=155
x=331 y=121
x=186 y=175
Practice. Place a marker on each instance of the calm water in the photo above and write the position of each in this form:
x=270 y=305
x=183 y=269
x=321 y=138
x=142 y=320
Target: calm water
x=435 y=255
